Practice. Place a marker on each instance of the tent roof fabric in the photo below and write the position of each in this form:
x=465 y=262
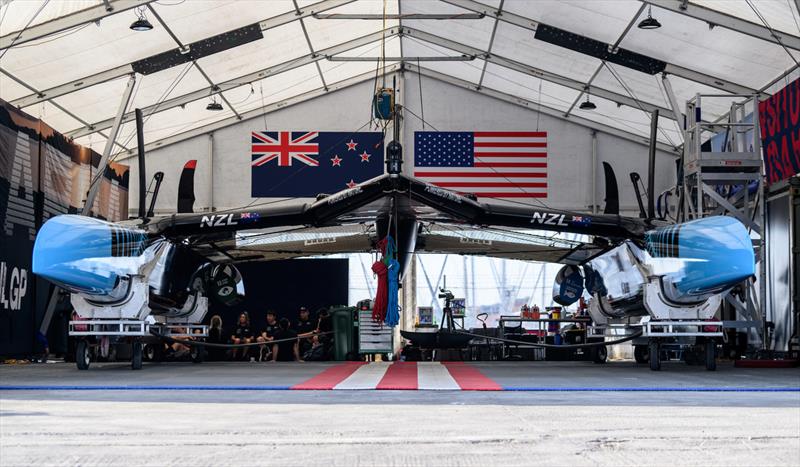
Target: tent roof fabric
x=68 y=61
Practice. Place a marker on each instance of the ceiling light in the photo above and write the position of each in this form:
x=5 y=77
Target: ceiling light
x=649 y=22
x=141 y=23
x=587 y=105
x=214 y=106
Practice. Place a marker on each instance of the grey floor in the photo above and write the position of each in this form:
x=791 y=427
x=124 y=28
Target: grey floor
x=588 y=425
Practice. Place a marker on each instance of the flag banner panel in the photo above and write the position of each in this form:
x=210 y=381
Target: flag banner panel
x=307 y=163
x=490 y=164
x=42 y=174
x=779 y=117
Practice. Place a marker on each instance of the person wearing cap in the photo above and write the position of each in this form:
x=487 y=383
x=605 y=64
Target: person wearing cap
x=305 y=329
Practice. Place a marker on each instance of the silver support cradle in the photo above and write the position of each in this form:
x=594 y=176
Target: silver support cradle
x=134 y=328
x=708 y=176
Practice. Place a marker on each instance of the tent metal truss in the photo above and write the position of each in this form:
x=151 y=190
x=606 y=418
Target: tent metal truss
x=460 y=10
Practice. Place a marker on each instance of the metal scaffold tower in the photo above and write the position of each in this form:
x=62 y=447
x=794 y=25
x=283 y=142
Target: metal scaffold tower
x=724 y=176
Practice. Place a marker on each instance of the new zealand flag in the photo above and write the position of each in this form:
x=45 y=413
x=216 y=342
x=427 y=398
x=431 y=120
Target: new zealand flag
x=306 y=163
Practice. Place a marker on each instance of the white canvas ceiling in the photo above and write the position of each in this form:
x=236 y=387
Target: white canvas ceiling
x=68 y=61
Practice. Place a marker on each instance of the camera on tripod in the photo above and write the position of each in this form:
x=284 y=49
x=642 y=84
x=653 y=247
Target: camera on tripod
x=446 y=294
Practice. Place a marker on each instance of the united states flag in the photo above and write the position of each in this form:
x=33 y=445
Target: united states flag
x=491 y=164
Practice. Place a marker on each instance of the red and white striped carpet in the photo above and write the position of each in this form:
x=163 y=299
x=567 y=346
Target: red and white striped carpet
x=454 y=376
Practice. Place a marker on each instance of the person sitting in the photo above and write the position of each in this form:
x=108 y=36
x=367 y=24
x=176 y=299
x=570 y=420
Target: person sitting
x=267 y=335
x=324 y=330
x=215 y=336
x=286 y=349
x=305 y=329
x=178 y=350
x=242 y=334
x=316 y=352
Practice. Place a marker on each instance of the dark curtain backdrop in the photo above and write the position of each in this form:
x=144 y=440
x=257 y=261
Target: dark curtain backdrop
x=42 y=174
x=285 y=286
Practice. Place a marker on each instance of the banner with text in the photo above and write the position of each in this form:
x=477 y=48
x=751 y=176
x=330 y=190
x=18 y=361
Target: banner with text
x=779 y=118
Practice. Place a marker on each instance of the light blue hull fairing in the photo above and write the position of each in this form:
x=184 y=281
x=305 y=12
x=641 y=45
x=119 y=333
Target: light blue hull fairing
x=709 y=254
x=86 y=255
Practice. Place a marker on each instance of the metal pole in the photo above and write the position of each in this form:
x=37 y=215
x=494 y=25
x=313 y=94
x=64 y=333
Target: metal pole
x=594 y=171
x=673 y=103
x=651 y=167
x=142 y=170
x=112 y=136
x=95 y=185
x=762 y=204
x=211 y=173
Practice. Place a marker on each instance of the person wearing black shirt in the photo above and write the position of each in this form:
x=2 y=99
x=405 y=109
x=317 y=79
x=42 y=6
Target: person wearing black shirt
x=286 y=350
x=305 y=329
x=242 y=334
x=267 y=334
x=324 y=328
x=215 y=336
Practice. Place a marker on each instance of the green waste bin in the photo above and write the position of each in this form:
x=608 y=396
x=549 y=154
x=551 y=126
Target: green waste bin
x=344 y=333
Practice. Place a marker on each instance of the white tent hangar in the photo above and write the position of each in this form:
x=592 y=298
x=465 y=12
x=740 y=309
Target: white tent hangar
x=69 y=61
x=223 y=67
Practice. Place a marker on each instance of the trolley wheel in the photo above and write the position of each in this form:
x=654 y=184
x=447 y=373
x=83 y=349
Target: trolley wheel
x=136 y=355
x=654 y=349
x=197 y=354
x=711 y=355
x=83 y=355
x=154 y=352
x=600 y=354
x=690 y=356
x=640 y=353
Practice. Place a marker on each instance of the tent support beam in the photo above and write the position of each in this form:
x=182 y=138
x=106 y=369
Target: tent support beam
x=600 y=67
x=641 y=139
x=531 y=25
x=88 y=15
x=56 y=104
x=727 y=21
x=238 y=81
x=310 y=46
x=673 y=102
x=491 y=44
x=122 y=70
x=255 y=113
x=528 y=70
x=399 y=16
x=194 y=62
x=94 y=186
x=211 y=127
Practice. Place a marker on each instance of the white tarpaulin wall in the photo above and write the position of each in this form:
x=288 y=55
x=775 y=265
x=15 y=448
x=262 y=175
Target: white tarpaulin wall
x=68 y=61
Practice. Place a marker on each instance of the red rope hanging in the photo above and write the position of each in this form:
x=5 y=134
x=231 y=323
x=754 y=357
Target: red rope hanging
x=382 y=295
x=380 y=269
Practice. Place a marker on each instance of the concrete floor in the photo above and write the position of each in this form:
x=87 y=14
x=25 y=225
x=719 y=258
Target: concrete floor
x=587 y=425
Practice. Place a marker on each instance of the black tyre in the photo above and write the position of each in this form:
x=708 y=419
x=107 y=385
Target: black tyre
x=600 y=354
x=654 y=350
x=640 y=353
x=83 y=355
x=197 y=353
x=136 y=355
x=711 y=355
x=154 y=352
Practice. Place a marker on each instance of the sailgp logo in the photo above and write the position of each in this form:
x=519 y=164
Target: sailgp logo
x=217 y=220
x=13 y=286
x=546 y=218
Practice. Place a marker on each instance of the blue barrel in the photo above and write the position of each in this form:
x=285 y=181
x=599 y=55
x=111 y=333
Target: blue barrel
x=713 y=253
x=84 y=254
